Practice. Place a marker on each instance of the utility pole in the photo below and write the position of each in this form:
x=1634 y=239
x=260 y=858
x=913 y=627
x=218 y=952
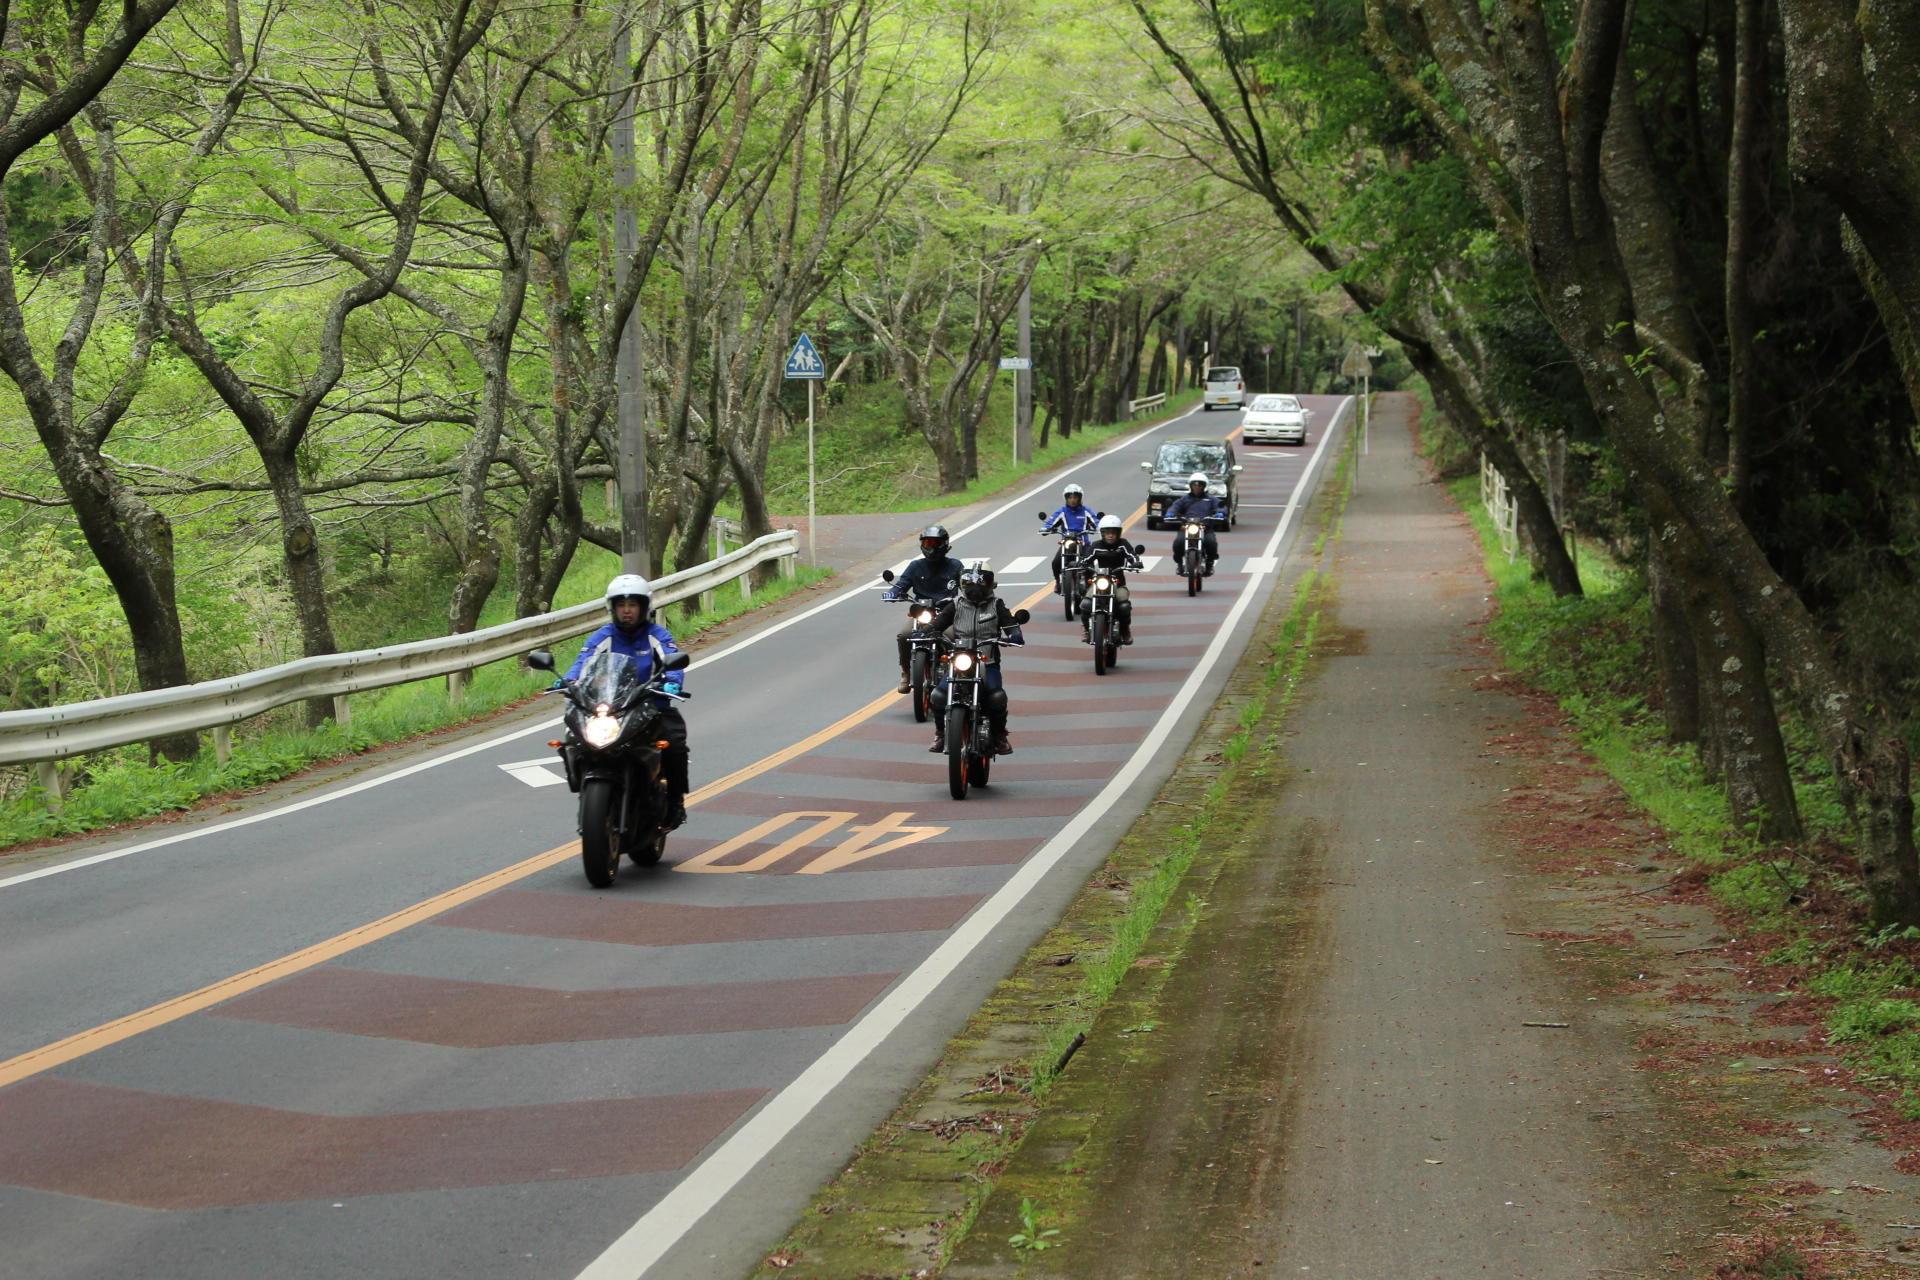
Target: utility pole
x=1023 y=376
x=629 y=381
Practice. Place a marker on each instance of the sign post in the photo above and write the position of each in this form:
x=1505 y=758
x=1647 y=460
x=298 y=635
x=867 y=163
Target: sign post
x=1018 y=365
x=1266 y=366
x=804 y=362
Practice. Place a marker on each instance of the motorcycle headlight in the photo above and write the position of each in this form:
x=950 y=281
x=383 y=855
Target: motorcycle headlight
x=923 y=617
x=1193 y=530
x=963 y=662
x=1103 y=584
x=601 y=729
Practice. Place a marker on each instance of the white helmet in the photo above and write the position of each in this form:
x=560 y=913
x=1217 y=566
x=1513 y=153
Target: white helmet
x=1073 y=491
x=1110 y=522
x=631 y=585
x=1198 y=477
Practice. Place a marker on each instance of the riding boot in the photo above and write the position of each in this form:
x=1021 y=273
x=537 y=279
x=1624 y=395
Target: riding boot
x=906 y=683
x=939 y=739
x=674 y=774
x=1001 y=746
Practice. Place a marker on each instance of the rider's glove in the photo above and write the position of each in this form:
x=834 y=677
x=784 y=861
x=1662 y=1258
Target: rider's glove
x=559 y=683
x=671 y=688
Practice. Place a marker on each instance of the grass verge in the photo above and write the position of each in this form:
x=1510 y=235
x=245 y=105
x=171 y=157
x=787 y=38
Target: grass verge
x=916 y=1186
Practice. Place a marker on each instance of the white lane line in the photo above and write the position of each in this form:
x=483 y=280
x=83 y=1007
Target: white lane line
x=650 y=1238
x=1261 y=564
x=536 y=773
x=543 y=726
x=1024 y=564
x=1150 y=564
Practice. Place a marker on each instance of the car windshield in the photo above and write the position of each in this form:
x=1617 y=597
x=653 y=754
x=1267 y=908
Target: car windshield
x=1224 y=373
x=609 y=677
x=1191 y=455
x=1275 y=404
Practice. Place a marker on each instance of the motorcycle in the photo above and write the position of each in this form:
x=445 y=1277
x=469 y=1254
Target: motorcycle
x=611 y=753
x=1072 y=547
x=923 y=651
x=1099 y=613
x=1193 y=555
x=969 y=729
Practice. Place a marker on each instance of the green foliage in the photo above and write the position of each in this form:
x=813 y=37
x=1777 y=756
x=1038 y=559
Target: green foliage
x=62 y=635
x=1032 y=1236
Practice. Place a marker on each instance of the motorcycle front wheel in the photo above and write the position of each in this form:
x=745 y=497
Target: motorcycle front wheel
x=1195 y=567
x=957 y=734
x=599 y=843
x=1069 y=592
x=1098 y=630
x=917 y=686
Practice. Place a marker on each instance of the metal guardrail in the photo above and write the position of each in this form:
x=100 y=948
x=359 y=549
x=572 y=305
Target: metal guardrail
x=1500 y=505
x=1146 y=402
x=44 y=735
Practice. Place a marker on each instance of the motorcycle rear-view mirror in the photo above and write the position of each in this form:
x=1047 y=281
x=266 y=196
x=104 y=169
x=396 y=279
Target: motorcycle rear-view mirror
x=886 y=575
x=677 y=661
x=1043 y=515
x=1021 y=617
x=1139 y=548
x=540 y=660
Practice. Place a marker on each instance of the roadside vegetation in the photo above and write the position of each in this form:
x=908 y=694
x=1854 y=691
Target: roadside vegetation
x=1798 y=903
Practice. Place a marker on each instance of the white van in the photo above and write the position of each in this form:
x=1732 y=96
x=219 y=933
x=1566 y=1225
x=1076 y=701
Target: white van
x=1224 y=388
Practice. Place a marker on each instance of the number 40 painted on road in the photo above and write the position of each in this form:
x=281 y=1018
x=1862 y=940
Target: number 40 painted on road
x=864 y=840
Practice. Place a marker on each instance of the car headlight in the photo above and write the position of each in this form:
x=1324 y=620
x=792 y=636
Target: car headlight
x=601 y=729
x=1103 y=584
x=963 y=662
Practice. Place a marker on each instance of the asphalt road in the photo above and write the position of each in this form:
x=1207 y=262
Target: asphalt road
x=387 y=1028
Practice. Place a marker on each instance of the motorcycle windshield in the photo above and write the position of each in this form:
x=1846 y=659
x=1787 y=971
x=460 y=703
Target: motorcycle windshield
x=611 y=678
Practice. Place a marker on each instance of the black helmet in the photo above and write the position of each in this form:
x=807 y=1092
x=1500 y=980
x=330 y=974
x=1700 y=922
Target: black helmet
x=976 y=582
x=934 y=541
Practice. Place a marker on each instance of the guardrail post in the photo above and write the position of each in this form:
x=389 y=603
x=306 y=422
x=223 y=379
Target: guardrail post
x=456 y=687
x=222 y=743
x=787 y=567
x=342 y=712
x=49 y=774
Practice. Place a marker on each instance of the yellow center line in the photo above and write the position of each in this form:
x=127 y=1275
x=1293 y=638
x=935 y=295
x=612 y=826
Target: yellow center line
x=78 y=1045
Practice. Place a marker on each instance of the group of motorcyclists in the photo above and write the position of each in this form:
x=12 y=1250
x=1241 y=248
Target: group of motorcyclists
x=969 y=613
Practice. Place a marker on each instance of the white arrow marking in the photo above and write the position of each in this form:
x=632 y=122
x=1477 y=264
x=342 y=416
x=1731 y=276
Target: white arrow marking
x=536 y=773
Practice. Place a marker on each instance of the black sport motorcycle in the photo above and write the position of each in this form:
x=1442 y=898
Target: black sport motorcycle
x=611 y=752
x=924 y=648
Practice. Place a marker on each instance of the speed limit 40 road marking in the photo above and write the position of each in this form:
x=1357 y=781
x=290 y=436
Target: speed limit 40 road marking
x=864 y=840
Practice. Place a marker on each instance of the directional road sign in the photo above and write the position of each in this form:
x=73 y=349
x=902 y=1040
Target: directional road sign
x=804 y=360
x=1015 y=362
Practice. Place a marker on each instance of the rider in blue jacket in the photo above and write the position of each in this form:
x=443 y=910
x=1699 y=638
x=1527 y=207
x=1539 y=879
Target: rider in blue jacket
x=934 y=578
x=634 y=632
x=1071 y=517
x=1199 y=505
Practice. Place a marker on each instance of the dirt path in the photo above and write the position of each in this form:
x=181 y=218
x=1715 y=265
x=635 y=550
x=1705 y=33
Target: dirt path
x=1345 y=1081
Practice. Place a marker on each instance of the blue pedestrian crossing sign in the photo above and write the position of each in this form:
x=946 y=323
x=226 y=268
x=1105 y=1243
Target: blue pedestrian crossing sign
x=804 y=360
